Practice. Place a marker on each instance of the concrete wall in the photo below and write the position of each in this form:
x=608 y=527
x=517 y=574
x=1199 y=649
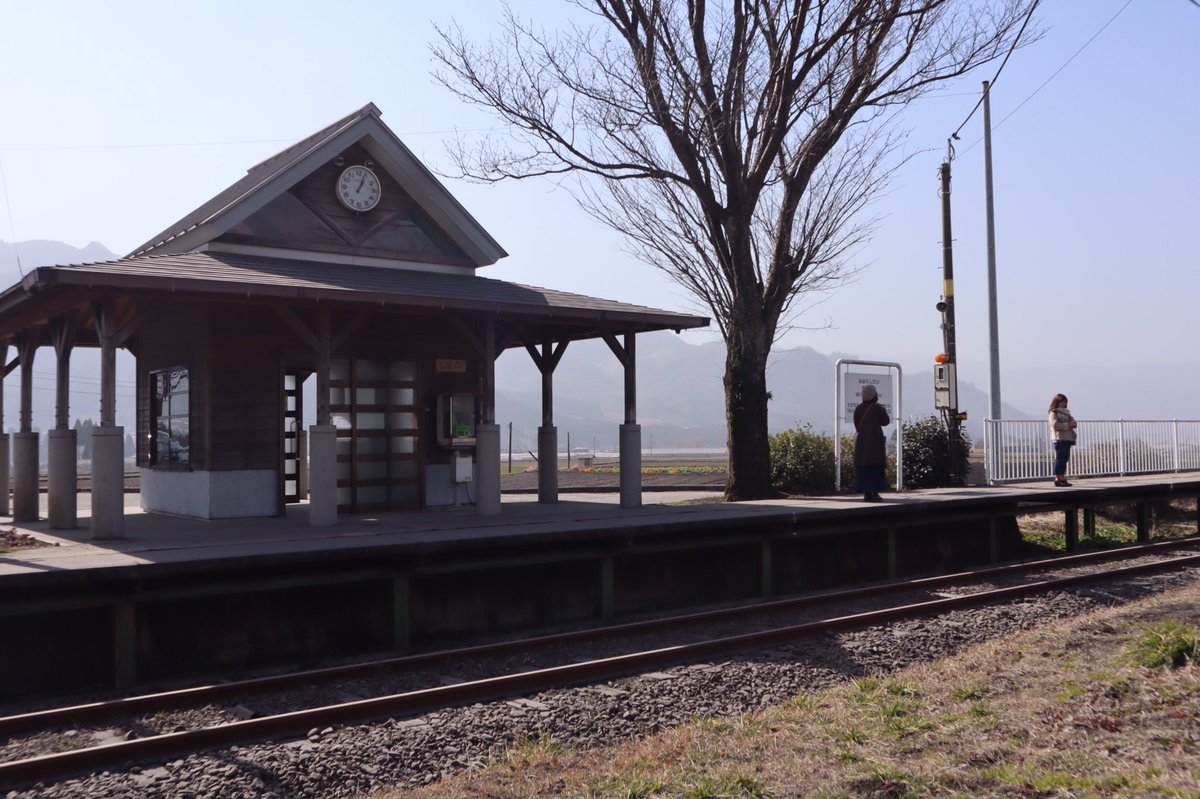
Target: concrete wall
x=211 y=495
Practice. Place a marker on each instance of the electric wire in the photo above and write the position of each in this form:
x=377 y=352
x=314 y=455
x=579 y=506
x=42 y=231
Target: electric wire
x=1016 y=41
x=1065 y=64
x=12 y=225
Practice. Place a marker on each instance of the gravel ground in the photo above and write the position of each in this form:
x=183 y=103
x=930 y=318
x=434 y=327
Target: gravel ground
x=354 y=761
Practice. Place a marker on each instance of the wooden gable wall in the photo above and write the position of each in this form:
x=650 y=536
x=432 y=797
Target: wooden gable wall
x=310 y=217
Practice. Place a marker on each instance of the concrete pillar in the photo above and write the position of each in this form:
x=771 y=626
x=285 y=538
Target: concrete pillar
x=63 y=482
x=322 y=475
x=301 y=465
x=5 y=471
x=547 y=464
x=108 y=482
x=631 y=466
x=25 y=477
x=487 y=470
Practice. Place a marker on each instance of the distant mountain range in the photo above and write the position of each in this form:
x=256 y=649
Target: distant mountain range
x=680 y=401
x=680 y=398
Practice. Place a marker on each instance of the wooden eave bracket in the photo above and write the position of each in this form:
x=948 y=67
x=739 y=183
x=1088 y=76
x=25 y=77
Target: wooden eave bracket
x=616 y=347
x=547 y=363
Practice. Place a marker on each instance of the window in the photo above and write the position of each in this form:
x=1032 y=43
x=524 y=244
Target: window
x=169 y=409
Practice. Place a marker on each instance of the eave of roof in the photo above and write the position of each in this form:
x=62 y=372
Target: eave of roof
x=215 y=273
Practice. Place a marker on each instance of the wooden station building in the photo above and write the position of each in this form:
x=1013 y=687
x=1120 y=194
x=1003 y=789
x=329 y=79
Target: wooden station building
x=341 y=258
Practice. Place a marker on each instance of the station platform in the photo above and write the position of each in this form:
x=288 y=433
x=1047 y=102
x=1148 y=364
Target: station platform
x=155 y=539
x=181 y=597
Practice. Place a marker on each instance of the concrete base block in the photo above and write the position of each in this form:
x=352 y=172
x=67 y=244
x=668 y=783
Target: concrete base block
x=631 y=466
x=322 y=475
x=108 y=482
x=25 y=477
x=5 y=472
x=487 y=470
x=548 y=464
x=63 y=480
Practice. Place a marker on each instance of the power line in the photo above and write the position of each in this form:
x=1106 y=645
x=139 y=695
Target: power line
x=12 y=225
x=1016 y=41
x=1074 y=55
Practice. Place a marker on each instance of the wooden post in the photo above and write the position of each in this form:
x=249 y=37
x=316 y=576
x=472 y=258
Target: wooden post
x=630 y=379
x=1143 y=522
x=489 y=372
x=27 y=344
x=1072 y=531
x=1089 y=522
x=26 y=493
x=324 y=361
x=5 y=458
x=62 y=335
x=105 y=315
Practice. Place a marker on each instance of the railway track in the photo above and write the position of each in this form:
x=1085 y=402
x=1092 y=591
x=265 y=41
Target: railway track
x=164 y=746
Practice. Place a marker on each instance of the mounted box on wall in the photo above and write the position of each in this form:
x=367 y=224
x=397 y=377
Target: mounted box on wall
x=456 y=420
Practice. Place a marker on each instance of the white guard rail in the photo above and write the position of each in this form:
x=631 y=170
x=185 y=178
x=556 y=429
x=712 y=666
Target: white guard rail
x=1022 y=449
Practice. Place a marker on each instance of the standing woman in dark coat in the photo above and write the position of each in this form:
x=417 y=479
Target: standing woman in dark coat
x=870 y=447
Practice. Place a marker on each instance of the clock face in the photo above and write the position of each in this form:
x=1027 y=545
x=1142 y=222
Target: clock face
x=358 y=188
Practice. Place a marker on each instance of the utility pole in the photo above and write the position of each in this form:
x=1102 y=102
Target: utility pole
x=946 y=306
x=993 y=319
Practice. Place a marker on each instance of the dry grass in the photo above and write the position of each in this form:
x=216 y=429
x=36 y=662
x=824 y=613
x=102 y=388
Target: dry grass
x=1062 y=711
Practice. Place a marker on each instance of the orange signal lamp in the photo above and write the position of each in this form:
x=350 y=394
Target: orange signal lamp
x=943 y=358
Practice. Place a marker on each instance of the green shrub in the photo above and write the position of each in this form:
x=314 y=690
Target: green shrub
x=927 y=454
x=802 y=461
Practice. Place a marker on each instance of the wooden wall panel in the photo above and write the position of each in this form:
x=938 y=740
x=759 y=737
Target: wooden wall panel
x=178 y=337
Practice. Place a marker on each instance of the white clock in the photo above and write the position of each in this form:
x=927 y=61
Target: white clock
x=358 y=188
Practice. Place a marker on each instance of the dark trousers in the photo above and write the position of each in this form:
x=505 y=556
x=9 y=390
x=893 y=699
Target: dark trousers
x=1062 y=454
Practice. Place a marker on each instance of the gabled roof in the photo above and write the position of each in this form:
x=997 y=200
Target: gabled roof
x=247 y=276
x=277 y=174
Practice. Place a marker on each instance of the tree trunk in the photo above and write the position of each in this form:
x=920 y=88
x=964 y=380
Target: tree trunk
x=746 y=422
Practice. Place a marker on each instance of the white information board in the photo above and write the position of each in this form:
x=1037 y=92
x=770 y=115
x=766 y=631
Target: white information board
x=852 y=393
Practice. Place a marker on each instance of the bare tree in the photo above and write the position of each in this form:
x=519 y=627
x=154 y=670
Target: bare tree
x=735 y=146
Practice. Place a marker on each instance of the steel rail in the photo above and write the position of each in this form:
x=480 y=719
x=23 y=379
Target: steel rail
x=74 y=714
x=169 y=745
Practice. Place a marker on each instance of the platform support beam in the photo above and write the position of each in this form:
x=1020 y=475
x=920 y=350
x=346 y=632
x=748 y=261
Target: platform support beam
x=322 y=475
x=63 y=477
x=124 y=644
x=547 y=361
x=607 y=587
x=1143 y=522
x=631 y=431
x=1089 y=523
x=993 y=542
x=487 y=470
x=5 y=457
x=1072 y=529
x=766 y=567
x=108 y=440
x=547 y=464
x=25 y=443
x=401 y=614
x=892 y=568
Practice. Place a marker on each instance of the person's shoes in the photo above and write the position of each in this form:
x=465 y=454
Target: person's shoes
x=1061 y=483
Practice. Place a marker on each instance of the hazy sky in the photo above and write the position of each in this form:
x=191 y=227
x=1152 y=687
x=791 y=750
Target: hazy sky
x=118 y=118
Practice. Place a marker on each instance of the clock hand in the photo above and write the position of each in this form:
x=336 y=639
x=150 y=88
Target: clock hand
x=360 y=184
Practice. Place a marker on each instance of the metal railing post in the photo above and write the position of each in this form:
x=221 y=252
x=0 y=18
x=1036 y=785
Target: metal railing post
x=1175 y=444
x=1121 y=447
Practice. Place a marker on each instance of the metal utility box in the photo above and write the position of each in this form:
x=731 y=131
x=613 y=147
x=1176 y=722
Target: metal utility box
x=463 y=467
x=456 y=420
x=945 y=386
